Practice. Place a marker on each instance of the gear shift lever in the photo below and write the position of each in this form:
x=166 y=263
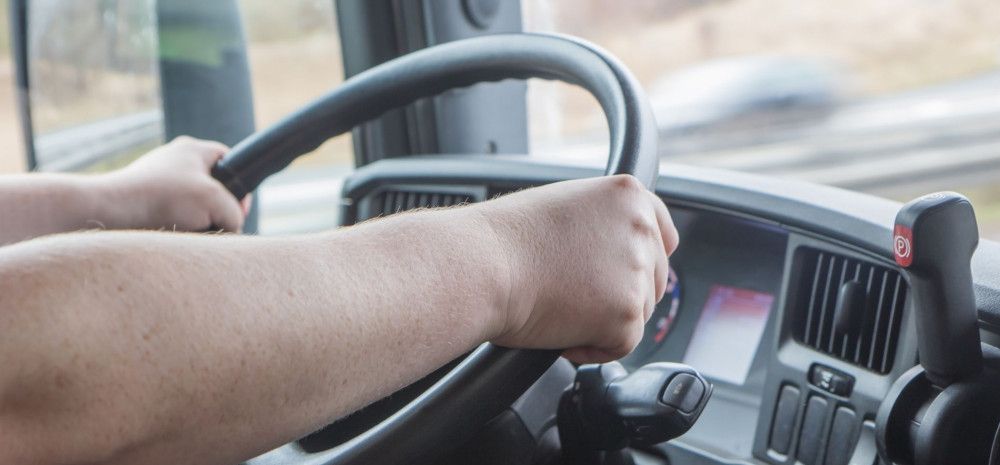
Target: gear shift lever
x=933 y=241
x=607 y=409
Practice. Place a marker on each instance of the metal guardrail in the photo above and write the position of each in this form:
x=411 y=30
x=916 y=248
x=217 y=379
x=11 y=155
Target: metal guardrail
x=84 y=145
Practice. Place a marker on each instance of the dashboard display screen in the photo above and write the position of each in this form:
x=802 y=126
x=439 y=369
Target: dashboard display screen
x=728 y=332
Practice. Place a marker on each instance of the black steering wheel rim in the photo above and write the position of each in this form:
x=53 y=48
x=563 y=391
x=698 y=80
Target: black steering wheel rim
x=432 y=71
x=492 y=377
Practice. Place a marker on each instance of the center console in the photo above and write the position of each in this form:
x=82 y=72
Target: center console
x=788 y=300
x=801 y=337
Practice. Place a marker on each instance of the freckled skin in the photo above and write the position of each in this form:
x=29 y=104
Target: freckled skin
x=166 y=348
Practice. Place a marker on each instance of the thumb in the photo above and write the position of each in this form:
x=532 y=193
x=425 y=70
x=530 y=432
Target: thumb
x=225 y=211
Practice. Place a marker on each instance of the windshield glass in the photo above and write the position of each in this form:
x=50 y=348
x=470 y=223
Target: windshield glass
x=893 y=97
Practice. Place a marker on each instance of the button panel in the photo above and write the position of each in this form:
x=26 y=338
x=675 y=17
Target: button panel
x=843 y=437
x=811 y=437
x=783 y=425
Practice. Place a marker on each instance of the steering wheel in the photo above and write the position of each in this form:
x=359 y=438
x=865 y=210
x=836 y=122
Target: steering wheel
x=491 y=378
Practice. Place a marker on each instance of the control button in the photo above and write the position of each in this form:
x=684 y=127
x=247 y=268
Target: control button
x=683 y=393
x=784 y=420
x=843 y=437
x=832 y=381
x=811 y=437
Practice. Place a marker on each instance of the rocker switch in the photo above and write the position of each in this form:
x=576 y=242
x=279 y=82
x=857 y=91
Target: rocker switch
x=683 y=393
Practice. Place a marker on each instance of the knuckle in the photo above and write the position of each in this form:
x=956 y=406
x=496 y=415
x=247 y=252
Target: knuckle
x=632 y=311
x=627 y=183
x=642 y=250
x=632 y=316
x=637 y=260
x=625 y=346
x=215 y=146
x=644 y=226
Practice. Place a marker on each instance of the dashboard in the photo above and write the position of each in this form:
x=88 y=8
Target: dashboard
x=726 y=276
x=755 y=307
x=753 y=301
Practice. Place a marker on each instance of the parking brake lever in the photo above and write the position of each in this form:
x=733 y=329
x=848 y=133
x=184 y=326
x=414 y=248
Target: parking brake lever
x=607 y=409
x=933 y=241
x=946 y=410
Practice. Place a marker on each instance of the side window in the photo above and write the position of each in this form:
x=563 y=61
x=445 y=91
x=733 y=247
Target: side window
x=107 y=82
x=93 y=79
x=294 y=51
x=894 y=99
x=11 y=146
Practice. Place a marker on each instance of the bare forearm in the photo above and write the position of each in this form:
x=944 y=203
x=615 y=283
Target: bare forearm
x=128 y=345
x=170 y=188
x=39 y=204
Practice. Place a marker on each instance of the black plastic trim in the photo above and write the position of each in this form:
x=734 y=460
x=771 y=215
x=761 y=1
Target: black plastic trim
x=838 y=221
x=858 y=221
x=431 y=71
x=18 y=13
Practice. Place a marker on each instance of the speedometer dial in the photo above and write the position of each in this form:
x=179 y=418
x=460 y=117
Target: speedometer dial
x=662 y=321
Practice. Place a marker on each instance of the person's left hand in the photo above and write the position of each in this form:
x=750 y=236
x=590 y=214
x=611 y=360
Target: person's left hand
x=172 y=188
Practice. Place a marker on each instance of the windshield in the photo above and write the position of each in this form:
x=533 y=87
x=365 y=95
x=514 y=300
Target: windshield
x=896 y=98
x=892 y=97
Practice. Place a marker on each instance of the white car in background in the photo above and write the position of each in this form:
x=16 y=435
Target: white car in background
x=742 y=101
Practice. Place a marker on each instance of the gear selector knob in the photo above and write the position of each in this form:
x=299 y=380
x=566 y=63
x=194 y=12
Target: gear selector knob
x=609 y=409
x=933 y=241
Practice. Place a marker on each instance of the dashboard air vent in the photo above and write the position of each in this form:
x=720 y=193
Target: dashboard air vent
x=849 y=308
x=397 y=199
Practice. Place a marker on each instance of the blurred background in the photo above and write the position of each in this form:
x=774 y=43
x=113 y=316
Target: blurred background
x=892 y=97
x=294 y=56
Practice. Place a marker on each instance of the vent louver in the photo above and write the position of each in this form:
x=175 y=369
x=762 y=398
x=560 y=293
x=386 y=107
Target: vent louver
x=866 y=335
x=402 y=198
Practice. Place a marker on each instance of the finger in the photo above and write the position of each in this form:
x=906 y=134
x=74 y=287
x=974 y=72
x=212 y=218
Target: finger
x=635 y=333
x=602 y=355
x=668 y=230
x=211 y=156
x=624 y=344
x=225 y=211
x=204 y=143
x=246 y=203
x=669 y=239
x=584 y=355
x=215 y=146
x=661 y=277
x=654 y=297
x=210 y=151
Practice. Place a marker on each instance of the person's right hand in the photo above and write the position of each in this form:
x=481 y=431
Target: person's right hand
x=588 y=263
